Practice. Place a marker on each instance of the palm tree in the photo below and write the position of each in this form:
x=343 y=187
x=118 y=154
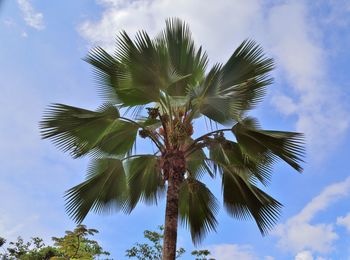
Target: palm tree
x=156 y=89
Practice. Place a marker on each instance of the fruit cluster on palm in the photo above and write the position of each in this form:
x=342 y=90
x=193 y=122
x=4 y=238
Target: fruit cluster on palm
x=156 y=89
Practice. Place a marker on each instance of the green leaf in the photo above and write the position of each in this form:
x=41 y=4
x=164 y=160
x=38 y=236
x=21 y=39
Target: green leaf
x=229 y=90
x=197 y=208
x=257 y=143
x=144 y=180
x=243 y=200
x=106 y=69
x=197 y=165
x=144 y=69
x=184 y=58
x=230 y=155
x=208 y=100
x=80 y=131
x=245 y=76
x=104 y=189
x=118 y=139
x=135 y=74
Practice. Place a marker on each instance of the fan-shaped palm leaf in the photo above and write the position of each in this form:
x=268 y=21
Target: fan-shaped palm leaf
x=245 y=76
x=197 y=208
x=104 y=189
x=82 y=131
x=229 y=90
x=143 y=70
x=244 y=200
x=229 y=154
x=257 y=143
x=144 y=180
x=197 y=165
x=184 y=58
x=207 y=98
x=106 y=69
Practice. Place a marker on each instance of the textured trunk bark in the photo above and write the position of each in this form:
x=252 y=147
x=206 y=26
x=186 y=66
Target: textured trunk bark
x=171 y=219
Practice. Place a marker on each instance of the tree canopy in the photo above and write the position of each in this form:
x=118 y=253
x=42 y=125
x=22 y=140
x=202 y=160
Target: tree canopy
x=73 y=245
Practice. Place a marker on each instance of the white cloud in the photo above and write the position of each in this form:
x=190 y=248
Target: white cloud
x=304 y=255
x=344 y=221
x=296 y=236
x=232 y=251
x=285 y=104
x=300 y=56
x=113 y=3
x=302 y=59
x=330 y=194
x=31 y=17
x=299 y=234
x=120 y=15
x=307 y=255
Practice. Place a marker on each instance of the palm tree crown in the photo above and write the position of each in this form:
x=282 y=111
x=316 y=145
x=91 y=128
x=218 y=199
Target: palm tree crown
x=155 y=89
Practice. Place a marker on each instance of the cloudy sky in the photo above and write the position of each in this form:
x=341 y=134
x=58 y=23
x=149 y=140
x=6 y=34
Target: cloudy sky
x=42 y=43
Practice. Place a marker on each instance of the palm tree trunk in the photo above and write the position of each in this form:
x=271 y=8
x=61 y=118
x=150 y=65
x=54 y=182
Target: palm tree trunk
x=171 y=218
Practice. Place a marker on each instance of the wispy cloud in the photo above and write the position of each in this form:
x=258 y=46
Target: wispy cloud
x=32 y=18
x=233 y=251
x=120 y=15
x=298 y=233
x=304 y=255
x=344 y=221
x=307 y=255
x=321 y=113
x=111 y=2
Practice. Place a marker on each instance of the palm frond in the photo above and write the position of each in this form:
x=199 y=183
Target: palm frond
x=229 y=90
x=257 y=143
x=144 y=69
x=243 y=200
x=144 y=180
x=197 y=165
x=207 y=98
x=104 y=189
x=80 y=131
x=228 y=154
x=106 y=69
x=184 y=58
x=245 y=76
x=197 y=208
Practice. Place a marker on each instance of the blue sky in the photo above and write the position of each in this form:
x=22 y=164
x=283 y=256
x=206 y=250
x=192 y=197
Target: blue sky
x=41 y=48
